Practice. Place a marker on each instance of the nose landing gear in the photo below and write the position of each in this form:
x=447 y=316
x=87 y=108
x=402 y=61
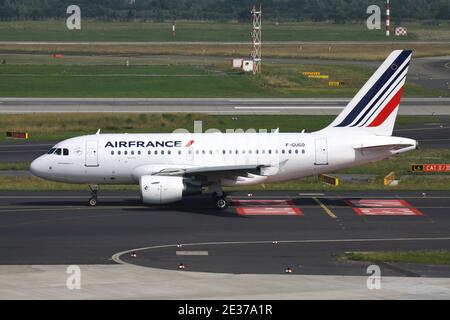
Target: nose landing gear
x=94 y=192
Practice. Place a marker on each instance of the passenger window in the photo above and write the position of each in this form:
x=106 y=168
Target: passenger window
x=58 y=151
x=162 y=151
x=132 y=152
x=125 y=152
x=169 y=152
x=283 y=152
x=149 y=152
x=303 y=151
x=156 y=152
x=296 y=151
x=290 y=151
x=112 y=153
x=139 y=152
x=118 y=152
x=179 y=151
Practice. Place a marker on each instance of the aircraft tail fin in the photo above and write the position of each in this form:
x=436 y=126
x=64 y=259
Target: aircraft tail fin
x=374 y=108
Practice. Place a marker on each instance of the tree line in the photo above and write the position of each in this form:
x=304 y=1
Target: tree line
x=338 y=11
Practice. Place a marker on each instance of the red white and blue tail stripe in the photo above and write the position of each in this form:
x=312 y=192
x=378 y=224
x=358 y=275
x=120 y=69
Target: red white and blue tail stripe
x=375 y=106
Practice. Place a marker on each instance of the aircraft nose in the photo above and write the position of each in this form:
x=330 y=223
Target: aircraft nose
x=37 y=167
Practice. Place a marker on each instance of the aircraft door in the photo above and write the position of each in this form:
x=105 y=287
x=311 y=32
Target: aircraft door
x=321 y=151
x=91 y=154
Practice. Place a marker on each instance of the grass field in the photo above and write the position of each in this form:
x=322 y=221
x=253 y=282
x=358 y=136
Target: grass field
x=55 y=30
x=187 y=81
x=439 y=257
x=56 y=127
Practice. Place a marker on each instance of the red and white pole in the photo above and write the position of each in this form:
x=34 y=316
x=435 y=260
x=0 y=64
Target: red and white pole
x=388 y=18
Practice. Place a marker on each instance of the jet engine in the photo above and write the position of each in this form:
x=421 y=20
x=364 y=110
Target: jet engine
x=165 y=189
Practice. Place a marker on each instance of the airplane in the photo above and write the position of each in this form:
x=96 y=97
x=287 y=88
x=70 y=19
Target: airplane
x=168 y=167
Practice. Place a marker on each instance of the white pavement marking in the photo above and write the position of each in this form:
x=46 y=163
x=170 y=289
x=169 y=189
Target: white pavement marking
x=191 y=253
x=116 y=256
x=287 y=107
x=311 y=194
x=421 y=129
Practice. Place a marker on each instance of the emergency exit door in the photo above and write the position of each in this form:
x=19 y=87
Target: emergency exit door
x=91 y=154
x=321 y=151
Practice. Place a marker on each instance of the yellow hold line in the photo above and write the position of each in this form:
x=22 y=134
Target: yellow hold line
x=324 y=207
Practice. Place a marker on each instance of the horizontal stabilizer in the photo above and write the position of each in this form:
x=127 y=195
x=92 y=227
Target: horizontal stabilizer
x=393 y=147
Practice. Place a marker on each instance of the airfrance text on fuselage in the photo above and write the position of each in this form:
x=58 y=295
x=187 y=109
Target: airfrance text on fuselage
x=143 y=144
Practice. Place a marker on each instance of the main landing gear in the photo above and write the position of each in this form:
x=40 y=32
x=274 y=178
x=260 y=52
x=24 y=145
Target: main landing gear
x=220 y=201
x=94 y=192
x=218 y=196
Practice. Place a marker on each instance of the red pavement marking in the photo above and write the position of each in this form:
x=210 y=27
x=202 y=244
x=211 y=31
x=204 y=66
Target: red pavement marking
x=269 y=211
x=375 y=203
x=387 y=211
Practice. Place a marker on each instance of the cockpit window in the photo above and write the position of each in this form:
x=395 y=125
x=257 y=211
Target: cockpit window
x=58 y=151
x=66 y=152
x=51 y=150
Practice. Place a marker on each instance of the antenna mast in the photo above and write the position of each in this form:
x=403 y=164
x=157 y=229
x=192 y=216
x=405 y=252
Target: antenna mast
x=256 y=38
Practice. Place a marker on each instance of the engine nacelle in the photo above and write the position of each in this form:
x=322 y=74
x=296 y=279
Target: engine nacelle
x=164 y=189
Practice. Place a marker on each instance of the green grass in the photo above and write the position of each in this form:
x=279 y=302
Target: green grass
x=438 y=257
x=122 y=81
x=14 y=165
x=184 y=81
x=56 y=127
x=55 y=30
x=400 y=164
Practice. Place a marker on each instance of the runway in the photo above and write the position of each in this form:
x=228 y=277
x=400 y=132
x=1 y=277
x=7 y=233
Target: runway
x=259 y=234
x=296 y=106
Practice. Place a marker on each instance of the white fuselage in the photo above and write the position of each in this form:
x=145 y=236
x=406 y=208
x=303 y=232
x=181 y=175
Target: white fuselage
x=123 y=158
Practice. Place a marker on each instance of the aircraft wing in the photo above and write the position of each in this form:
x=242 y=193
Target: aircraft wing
x=208 y=170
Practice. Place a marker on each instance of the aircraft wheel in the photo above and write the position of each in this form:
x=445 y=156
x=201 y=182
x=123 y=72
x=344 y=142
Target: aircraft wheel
x=93 y=202
x=221 y=203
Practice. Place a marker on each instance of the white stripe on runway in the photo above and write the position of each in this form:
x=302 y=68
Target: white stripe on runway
x=287 y=107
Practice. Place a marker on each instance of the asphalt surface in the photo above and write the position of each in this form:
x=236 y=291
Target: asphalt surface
x=410 y=106
x=58 y=228
x=434 y=135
